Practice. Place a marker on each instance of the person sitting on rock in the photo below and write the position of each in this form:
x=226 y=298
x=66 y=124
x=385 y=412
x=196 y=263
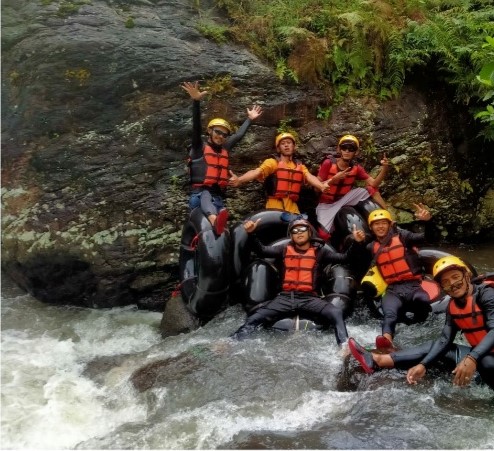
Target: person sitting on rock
x=470 y=311
x=209 y=161
x=341 y=173
x=283 y=176
x=303 y=260
x=396 y=258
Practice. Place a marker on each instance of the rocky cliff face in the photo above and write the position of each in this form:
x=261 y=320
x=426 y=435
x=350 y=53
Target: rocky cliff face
x=95 y=126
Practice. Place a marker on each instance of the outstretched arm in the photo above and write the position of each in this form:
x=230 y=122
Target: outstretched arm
x=196 y=95
x=252 y=115
x=315 y=182
x=236 y=181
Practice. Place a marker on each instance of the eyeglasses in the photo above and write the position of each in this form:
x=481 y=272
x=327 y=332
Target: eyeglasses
x=348 y=148
x=299 y=229
x=221 y=133
x=457 y=283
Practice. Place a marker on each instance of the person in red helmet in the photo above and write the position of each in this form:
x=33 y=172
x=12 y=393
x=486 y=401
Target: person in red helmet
x=303 y=259
x=283 y=176
x=341 y=173
x=209 y=161
x=470 y=312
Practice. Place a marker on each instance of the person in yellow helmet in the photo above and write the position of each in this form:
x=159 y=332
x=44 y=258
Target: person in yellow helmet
x=394 y=254
x=209 y=161
x=283 y=176
x=470 y=311
x=341 y=173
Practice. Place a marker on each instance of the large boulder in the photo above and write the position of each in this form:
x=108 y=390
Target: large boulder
x=94 y=136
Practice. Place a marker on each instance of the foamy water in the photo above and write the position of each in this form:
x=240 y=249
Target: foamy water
x=66 y=384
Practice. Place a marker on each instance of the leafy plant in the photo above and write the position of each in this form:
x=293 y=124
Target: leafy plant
x=129 y=23
x=213 y=31
x=486 y=79
x=369 y=47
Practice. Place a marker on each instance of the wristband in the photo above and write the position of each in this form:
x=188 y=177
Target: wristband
x=468 y=356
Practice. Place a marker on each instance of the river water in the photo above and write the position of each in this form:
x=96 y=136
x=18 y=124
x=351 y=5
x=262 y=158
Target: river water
x=66 y=384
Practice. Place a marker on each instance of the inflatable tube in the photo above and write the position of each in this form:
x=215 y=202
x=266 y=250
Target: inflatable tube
x=270 y=227
x=366 y=207
x=260 y=283
x=204 y=268
x=344 y=222
x=341 y=288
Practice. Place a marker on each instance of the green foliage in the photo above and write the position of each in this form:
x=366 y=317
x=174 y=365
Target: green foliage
x=222 y=84
x=129 y=23
x=368 y=47
x=209 y=29
x=324 y=113
x=285 y=127
x=486 y=79
x=67 y=8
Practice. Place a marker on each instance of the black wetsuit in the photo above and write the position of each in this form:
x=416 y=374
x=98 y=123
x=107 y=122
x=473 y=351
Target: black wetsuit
x=444 y=347
x=408 y=295
x=289 y=303
x=209 y=198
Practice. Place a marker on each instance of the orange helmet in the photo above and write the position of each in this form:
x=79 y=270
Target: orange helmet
x=349 y=139
x=283 y=136
x=221 y=123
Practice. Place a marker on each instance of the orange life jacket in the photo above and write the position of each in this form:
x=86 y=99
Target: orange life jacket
x=392 y=262
x=285 y=182
x=469 y=319
x=299 y=269
x=339 y=188
x=211 y=169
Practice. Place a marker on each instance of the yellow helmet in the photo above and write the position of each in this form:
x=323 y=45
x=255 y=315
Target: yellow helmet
x=449 y=262
x=221 y=123
x=350 y=139
x=376 y=215
x=283 y=136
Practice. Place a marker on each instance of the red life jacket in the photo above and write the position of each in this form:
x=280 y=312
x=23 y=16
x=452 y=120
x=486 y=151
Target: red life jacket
x=299 y=270
x=285 y=182
x=392 y=262
x=339 y=188
x=211 y=169
x=470 y=319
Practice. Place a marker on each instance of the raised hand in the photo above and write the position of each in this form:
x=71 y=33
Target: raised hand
x=193 y=90
x=254 y=112
x=422 y=213
x=341 y=174
x=250 y=225
x=384 y=161
x=358 y=234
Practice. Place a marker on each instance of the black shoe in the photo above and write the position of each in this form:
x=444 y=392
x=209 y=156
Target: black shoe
x=243 y=332
x=362 y=356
